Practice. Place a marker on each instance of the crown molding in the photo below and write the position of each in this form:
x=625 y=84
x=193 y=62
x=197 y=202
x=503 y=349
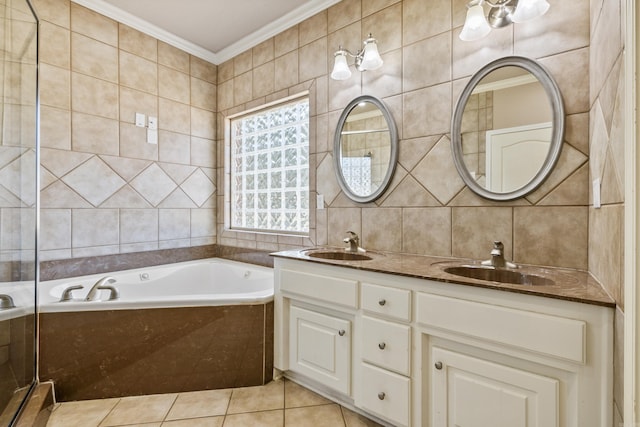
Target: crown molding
x=284 y=22
x=276 y=27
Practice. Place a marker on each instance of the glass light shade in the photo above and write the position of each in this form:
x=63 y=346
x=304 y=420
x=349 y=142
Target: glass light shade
x=371 y=59
x=476 y=25
x=341 y=69
x=529 y=9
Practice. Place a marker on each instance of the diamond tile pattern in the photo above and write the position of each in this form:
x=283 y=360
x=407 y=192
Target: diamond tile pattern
x=94 y=180
x=153 y=184
x=198 y=187
x=18 y=178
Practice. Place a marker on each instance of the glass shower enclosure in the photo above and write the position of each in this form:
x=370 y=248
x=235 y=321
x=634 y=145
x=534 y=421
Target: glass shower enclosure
x=18 y=204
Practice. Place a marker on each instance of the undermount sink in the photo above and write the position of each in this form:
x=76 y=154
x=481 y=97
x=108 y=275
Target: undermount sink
x=499 y=275
x=338 y=255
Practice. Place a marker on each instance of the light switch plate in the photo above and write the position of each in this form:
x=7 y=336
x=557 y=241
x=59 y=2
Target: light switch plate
x=140 y=118
x=596 y=193
x=152 y=136
x=320 y=201
x=153 y=123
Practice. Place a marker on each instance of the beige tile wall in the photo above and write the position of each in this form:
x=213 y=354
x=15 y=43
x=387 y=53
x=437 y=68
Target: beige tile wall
x=104 y=189
x=427 y=209
x=606 y=119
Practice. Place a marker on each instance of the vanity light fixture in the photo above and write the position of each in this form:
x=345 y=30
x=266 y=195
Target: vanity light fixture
x=501 y=13
x=368 y=58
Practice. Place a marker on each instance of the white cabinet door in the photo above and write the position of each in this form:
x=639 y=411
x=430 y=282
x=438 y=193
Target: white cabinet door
x=472 y=392
x=320 y=348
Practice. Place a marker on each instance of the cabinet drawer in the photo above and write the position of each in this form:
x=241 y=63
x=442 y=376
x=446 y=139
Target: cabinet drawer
x=386 y=344
x=391 y=302
x=330 y=289
x=385 y=394
x=541 y=333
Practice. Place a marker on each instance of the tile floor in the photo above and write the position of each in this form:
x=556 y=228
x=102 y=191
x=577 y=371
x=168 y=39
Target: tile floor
x=281 y=403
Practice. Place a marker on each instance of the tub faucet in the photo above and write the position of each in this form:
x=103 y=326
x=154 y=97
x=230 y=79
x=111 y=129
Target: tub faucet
x=497 y=257
x=67 y=293
x=104 y=283
x=354 y=242
x=6 y=302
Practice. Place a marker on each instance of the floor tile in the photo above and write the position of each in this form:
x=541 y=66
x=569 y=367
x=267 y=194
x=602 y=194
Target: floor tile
x=353 y=419
x=140 y=409
x=296 y=396
x=195 y=422
x=145 y=425
x=261 y=398
x=256 y=419
x=199 y=404
x=314 y=416
x=87 y=413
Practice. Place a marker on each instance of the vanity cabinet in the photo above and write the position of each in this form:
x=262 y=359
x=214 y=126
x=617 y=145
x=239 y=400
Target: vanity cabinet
x=320 y=347
x=421 y=353
x=472 y=392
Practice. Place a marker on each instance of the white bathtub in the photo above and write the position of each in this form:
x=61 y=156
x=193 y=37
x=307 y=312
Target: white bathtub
x=207 y=282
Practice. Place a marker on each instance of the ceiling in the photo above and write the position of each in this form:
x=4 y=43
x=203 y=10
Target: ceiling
x=214 y=30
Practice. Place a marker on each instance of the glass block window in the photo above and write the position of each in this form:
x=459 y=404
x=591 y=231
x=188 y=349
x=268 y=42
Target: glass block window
x=270 y=169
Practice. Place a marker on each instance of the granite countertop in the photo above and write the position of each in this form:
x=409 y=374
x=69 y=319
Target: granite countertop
x=570 y=285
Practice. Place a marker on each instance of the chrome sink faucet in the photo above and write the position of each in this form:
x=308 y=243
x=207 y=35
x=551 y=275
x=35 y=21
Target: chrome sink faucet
x=354 y=242
x=497 y=257
x=104 y=283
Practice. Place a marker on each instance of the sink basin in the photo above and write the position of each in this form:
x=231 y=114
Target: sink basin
x=499 y=275
x=338 y=255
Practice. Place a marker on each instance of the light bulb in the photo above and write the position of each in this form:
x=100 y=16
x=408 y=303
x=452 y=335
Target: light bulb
x=371 y=59
x=341 y=69
x=527 y=10
x=476 y=25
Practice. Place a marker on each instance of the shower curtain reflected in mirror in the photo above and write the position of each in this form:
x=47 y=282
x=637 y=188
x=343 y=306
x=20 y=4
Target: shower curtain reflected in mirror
x=18 y=203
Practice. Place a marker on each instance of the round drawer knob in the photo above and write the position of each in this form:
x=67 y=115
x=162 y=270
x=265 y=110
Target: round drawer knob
x=438 y=365
x=381 y=395
x=341 y=332
x=382 y=302
x=382 y=345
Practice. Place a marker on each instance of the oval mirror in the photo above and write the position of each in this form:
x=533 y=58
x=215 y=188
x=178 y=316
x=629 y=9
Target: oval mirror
x=507 y=128
x=365 y=149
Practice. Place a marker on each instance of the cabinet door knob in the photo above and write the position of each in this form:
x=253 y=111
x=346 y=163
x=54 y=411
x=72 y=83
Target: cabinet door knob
x=438 y=365
x=341 y=332
x=382 y=345
x=381 y=395
x=382 y=301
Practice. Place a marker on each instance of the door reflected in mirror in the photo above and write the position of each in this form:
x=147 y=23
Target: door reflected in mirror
x=505 y=143
x=507 y=128
x=365 y=149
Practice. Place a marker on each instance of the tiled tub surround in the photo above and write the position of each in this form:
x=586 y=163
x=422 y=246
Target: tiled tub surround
x=105 y=349
x=104 y=189
x=58 y=269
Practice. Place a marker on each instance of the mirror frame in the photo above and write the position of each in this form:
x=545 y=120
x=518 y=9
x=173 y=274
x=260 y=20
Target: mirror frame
x=393 y=158
x=557 y=136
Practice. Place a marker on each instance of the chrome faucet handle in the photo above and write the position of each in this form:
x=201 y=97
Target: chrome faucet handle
x=100 y=284
x=66 y=295
x=498 y=248
x=497 y=257
x=353 y=240
x=114 y=294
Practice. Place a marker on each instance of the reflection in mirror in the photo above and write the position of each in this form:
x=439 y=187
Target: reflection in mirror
x=507 y=129
x=18 y=191
x=365 y=149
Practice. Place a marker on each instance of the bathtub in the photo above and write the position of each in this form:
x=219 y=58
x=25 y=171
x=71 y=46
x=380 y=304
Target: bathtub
x=207 y=282
x=188 y=326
